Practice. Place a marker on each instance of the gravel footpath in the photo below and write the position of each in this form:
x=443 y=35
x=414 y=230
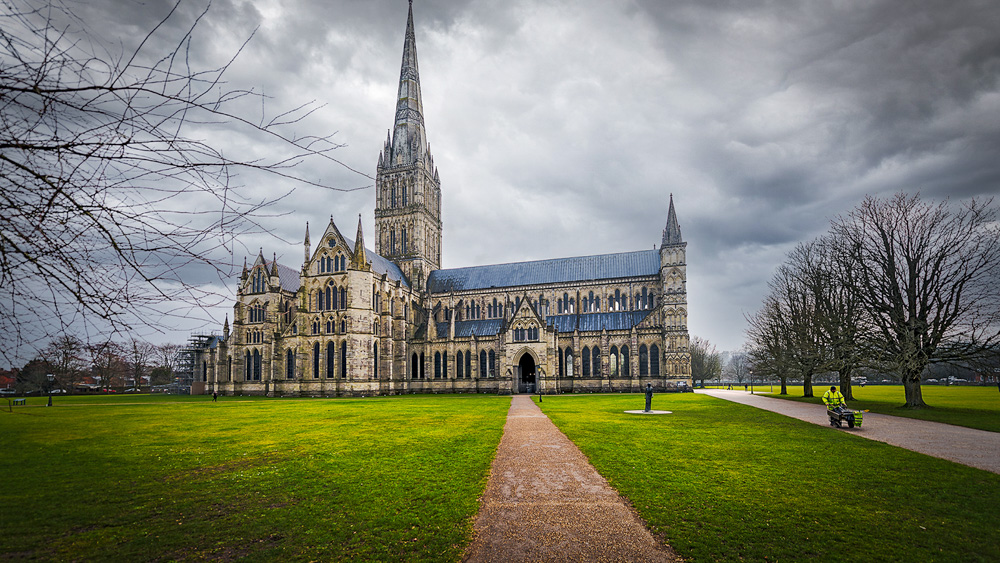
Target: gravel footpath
x=968 y=446
x=545 y=502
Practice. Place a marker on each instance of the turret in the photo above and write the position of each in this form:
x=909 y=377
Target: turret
x=359 y=261
x=307 y=245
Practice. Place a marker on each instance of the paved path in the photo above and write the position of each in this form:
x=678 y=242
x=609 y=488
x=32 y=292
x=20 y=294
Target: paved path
x=968 y=446
x=545 y=502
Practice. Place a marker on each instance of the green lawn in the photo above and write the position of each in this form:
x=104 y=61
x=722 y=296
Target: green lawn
x=972 y=407
x=134 y=477
x=726 y=482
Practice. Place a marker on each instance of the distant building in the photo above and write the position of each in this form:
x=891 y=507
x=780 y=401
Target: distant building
x=352 y=321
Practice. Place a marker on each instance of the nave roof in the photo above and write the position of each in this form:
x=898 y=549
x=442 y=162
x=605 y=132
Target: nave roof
x=556 y=270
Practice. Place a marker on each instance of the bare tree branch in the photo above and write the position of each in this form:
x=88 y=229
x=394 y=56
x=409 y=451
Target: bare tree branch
x=111 y=192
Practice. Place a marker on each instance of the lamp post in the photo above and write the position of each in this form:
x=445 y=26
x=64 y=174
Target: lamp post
x=49 y=378
x=751 y=381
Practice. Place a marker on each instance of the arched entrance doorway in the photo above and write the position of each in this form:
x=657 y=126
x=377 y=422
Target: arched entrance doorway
x=527 y=380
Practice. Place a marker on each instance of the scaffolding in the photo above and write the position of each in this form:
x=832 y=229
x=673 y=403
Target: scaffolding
x=186 y=362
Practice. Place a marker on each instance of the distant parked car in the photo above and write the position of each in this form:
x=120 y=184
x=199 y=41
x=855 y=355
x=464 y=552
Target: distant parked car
x=57 y=391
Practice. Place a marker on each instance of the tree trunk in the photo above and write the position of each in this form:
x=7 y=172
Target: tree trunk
x=784 y=385
x=845 y=385
x=807 y=384
x=914 y=394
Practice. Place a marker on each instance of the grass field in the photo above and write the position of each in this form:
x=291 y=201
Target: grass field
x=134 y=478
x=972 y=407
x=180 y=478
x=727 y=482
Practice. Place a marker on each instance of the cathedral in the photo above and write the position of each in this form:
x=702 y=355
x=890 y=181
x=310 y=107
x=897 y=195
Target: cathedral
x=351 y=321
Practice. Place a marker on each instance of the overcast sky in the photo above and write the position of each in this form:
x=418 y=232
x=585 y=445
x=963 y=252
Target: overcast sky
x=560 y=128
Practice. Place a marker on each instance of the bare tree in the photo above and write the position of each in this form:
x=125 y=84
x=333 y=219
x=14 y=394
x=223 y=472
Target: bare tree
x=140 y=354
x=929 y=278
x=165 y=360
x=706 y=362
x=834 y=321
x=108 y=189
x=108 y=364
x=166 y=355
x=66 y=356
x=804 y=352
x=738 y=367
x=769 y=341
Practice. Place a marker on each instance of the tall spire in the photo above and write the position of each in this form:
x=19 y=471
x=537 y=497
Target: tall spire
x=409 y=140
x=672 y=232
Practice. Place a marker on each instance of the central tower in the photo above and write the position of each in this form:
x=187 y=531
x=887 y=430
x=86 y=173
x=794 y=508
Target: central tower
x=407 y=185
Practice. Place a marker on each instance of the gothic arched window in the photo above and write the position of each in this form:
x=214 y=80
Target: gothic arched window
x=654 y=360
x=375 y=359
x=343 y=359
x=585 y=357
x=459 y=366
x=493 y=363
x=643 y=361
x=482 y=364
x=569 y=362
x=256 y=365
x=596 y=363
x=614 y=361
x=437 y=365
x=330 y=360
x=316 y=360
x=289 y=364
x=626 y=372
x=414 y=367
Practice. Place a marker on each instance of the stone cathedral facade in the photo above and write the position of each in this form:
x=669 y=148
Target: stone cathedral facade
x=350 y=321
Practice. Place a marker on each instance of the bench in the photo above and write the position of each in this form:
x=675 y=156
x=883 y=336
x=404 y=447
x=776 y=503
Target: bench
x=19 y=401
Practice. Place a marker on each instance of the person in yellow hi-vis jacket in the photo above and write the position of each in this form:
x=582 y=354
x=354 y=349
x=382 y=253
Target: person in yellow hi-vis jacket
x=833 y=398
x=836 y=408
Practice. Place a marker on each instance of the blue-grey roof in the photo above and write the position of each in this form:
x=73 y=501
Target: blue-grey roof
x=614 y=320
x=381 y=265
x=586 y=322
x=482 y=327
x=288 y=277
x=557 y=270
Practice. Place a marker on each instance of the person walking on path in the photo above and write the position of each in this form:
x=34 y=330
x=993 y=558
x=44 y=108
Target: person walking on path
x=215 y=396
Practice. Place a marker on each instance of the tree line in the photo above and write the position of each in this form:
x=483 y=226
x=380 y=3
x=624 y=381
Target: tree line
x=74 y=365
x=895 y=286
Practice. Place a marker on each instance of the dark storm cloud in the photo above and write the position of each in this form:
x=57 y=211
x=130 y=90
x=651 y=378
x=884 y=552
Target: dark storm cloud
x=560 y=128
